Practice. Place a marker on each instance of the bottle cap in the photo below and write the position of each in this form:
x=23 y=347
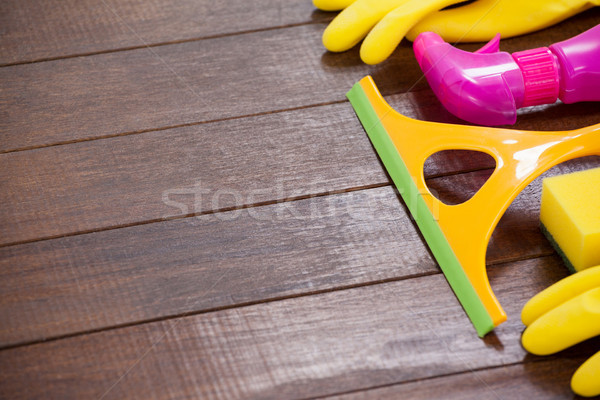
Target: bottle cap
x=540 y=75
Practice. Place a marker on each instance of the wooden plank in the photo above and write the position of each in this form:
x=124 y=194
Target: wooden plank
x=127 y=180
x=119 y=181
x=302 y=347
x=186 y=83
x=52 y=29
x=124 y=180
x=298 y=345
x=73 y=284
x=531 y=380
x=137 y=90
x=123 y=276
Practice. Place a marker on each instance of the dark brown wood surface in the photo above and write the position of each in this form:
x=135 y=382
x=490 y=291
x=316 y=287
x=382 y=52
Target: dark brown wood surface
x=298 y=347
x=271 y=251
x=121 y=93
x=527 y=380
x=65 y=28
x=190 y=209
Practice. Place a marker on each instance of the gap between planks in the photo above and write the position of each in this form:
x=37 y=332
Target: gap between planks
x=430 y=378
x=160 y=44
x=257 y=302
x=511 y=378
x=240 y=207
x=182 y=55
x=128 y=257
x=278 y=322
x=228 y=307
x=166 y=128
x=58 y=30
x=208 y=212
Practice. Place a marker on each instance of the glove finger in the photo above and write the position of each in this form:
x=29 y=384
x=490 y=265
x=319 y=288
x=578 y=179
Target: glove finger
x=559 y=293
x=388 y=33
x=332 y=5
x=483 y=19
x=586 y=380
x=574 y=321
x=354 y=22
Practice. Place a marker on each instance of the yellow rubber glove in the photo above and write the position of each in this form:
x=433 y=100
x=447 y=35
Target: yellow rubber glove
x=383 y=22
x=564 y=314
x=386 y=22
x=481 y=20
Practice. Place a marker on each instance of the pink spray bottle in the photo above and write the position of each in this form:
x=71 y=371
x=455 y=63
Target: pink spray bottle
x=488 y=86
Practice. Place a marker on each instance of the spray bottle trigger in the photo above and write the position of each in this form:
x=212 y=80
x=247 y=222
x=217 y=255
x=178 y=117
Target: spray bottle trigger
x=493 y=46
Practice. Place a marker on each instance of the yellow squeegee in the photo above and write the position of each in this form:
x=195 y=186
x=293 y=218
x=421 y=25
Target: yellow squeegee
x=458 y=235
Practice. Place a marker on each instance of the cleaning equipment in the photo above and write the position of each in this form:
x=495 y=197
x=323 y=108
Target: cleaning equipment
x=458 y=235
x=564 y=314
x=386 y=22
x=570 y=217
x=487 y=87
x=480 y=20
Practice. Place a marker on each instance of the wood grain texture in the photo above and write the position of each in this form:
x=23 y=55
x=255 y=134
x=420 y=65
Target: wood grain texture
x=127 y=180
x=531 y=380
x=98 y=184
x=190 y=209
x=35 y=31
x=124 y=92
x=140 y=273
x=166 y=86
x=301 y=347
x=124 y=276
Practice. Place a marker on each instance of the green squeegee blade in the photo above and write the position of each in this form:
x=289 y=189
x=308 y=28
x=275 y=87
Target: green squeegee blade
x=429 y=227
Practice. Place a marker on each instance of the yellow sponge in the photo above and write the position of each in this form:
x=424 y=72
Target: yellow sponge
x=570 y=217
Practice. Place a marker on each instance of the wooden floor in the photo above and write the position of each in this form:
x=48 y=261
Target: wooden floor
x=191 y=209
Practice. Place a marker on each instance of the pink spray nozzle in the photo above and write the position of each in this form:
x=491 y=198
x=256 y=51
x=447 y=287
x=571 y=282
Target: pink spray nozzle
x=485 y=87
x=488 y=86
